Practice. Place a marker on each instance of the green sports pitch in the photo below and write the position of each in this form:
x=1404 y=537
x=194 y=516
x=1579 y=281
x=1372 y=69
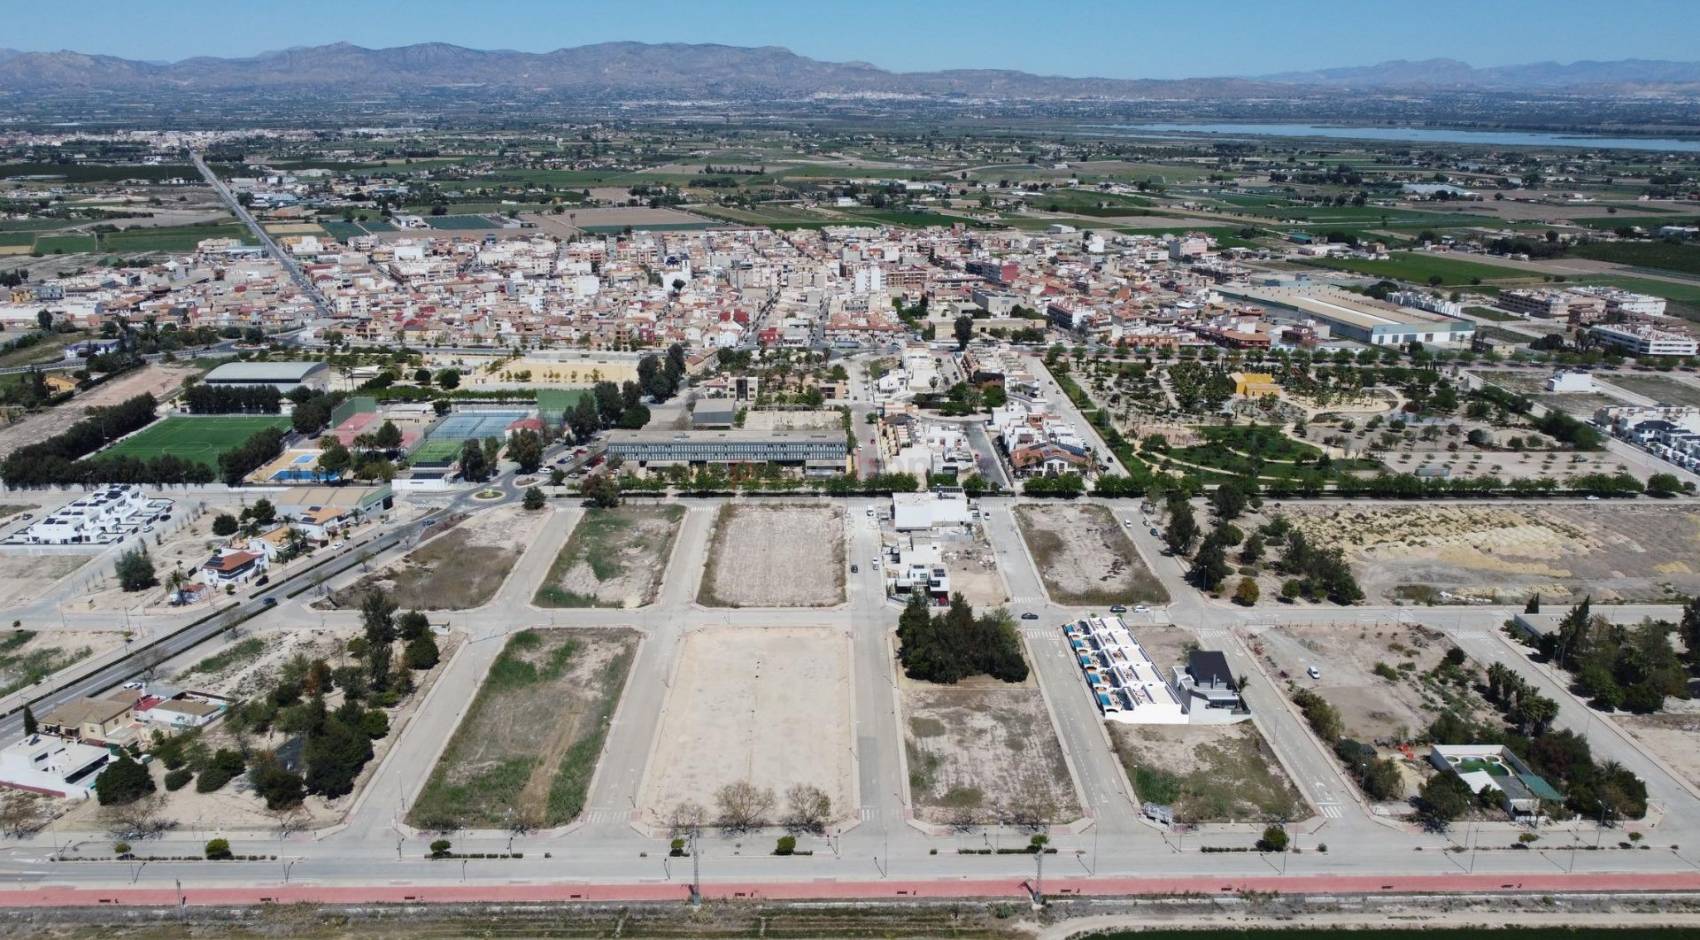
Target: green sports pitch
x=200 y=439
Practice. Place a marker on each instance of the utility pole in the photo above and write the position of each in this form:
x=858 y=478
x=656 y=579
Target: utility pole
x=1039 y=879
x=696 y=872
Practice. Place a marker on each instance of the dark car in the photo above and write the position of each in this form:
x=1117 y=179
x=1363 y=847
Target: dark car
x=1118 y=608
x=1030 y=616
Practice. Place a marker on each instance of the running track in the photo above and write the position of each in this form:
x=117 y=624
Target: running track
x=65 y=896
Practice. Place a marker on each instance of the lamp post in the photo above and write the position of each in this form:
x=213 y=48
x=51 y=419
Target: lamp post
x=696 y=871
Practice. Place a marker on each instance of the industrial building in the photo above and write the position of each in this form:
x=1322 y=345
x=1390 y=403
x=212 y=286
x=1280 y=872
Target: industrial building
x=816 y=452
x=285 y=376
x=1357 y=318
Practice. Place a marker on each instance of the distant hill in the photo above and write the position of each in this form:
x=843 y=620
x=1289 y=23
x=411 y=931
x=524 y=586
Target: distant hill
x=628 y=70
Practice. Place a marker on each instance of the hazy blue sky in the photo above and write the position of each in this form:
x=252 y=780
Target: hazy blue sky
x=1127 y=39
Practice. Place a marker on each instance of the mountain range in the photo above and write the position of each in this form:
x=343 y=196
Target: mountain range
x=632 y=70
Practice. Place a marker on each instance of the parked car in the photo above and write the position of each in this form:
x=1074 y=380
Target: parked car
x=1314 y=672
x=855 y=569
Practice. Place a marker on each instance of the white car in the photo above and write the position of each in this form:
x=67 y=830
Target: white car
x=1314 y=672
x=1140 y=608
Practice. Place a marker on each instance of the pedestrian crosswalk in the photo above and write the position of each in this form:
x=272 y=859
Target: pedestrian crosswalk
x=607 y=815
x=1039 y=633
x=868 y=812
x=1330 y=809
x=1214 y=638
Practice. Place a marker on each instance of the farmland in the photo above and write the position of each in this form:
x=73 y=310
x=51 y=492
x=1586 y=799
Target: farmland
x=1422 y=268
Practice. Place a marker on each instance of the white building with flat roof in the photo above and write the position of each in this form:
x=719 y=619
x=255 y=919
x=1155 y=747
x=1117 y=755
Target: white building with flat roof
x=51 y=765
x=1126 y=684
x=109 y=514
x=1642 y=341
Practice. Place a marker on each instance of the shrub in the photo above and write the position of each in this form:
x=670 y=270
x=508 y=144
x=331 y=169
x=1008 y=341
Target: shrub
x=1274 y=840
x=218 y=850
x=123 y=781
x=175 y=779
x=786 y=845
x=441 y=848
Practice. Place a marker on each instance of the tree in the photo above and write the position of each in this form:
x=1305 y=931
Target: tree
x=224 y=525
x=633 y=418
x=1210 y=565
x=412 y=625
x=609 y=403
x=387 y=437
x=474 y=466
x=964 y=331
x=583 y=419
x=135 y=570
x=534 y=499
x=422 y=376
x=29 y=721
x=334 y=757
x=1443 y=798
x=526 y=449
x=1246 y=594
x=218 y=850
x=1663 y=485
x=421 y=652
x=601 y=491
x=448 y=378
x=1182 y=530
x=808 y=807
x=377 y=617
x=278 y=786
x=1534 y=604
x=1252 y=551
x=124 y=781
x=743 y=805
x=1228 y=501
x=1274 y=839
x=44 y=319
x=224 y=766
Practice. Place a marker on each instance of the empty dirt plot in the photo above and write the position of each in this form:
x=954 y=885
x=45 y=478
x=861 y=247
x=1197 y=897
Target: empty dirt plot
x=1638 y=553
x=770 y=706
x=984 y=752
x=1207 y=773
x=527 y=748
x=615 y=558
x=1378 y=676
x=775 y=556
x=157 y=380
x=459 y=567
x=1666 y=390
x=1673 y=735
x=1084 y=557
x=973 y=567
x=23 y=578
x=27 y=657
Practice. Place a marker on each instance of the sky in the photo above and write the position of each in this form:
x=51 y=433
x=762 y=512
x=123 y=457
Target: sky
x=1110 y=38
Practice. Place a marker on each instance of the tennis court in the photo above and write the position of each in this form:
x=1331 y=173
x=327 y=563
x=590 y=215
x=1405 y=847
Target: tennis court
x=443 y=445
x=200 y=438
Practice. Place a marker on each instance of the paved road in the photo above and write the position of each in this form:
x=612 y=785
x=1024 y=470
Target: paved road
x=878 y=851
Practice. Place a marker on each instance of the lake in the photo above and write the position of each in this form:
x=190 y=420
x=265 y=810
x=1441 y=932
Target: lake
x=1431 y=135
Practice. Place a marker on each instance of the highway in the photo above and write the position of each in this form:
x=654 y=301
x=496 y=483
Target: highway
x=247 y=218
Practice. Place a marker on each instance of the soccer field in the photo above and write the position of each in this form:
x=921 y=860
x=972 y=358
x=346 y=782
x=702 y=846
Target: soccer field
x=200 y=439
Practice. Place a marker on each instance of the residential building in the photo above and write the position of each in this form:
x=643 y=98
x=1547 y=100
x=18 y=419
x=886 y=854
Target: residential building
x=95 y=720
x=109 y=514
x=1207 y=682
x=233 y=567
x=942 y=507
x=1642 y=340
x=52 y=766
x=1570 y=381
x=1495 y=767
x=1126 y=684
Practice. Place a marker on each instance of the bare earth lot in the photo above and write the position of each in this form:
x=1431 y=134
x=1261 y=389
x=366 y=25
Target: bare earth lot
x=615 y=558
x=1616 y=553
x=23 y=578
x=771 y=706
x=1207 y=773
x=528 y=746
x=27 y=657
x=35 y=428
x=775 y=556
x=1372 y=708
x=1084 y=557
x=459 y=567
x=974 y=573
x=984 y=751
x=1673 y=735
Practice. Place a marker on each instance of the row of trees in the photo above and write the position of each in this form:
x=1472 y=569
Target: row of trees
x=953 y=645
x=54 y=460
x=261 y=447
x=205 y=399
x=607 y=406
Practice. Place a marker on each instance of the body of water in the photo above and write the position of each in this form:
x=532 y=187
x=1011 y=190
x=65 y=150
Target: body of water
x=1430 y=135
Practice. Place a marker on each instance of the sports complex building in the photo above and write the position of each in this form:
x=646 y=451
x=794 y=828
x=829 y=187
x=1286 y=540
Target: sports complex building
x=1355 y=317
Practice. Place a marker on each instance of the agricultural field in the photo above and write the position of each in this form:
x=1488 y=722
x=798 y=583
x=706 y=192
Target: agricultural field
x=775 y=556
x=1084 y=557
x=767 y=706
x=460 y=222
x=1471 y=554
x=614 y=558
x=200 y=438
x=460 y=566
x=1207 y=773
x=1665 y=256
x=528 y=745
x=141 y=240
x=1421 y=268
x=982 y=752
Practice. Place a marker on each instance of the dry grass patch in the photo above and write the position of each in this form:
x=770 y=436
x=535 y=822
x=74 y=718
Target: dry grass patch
x=775 y=556
x=983 y=752
x=615 y=558
x=1207 y=773
x=459 y=567
x=528 y=746
x=1084 y=557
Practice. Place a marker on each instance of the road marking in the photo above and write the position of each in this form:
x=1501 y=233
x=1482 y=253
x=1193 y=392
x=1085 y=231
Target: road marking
x=608 y=815
x=1330 y=810
x=868 y=812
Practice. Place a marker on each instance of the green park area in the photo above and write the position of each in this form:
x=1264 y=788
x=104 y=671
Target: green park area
x=200 y=439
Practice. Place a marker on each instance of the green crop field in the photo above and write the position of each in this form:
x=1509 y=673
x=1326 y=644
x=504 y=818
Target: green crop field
x=1666 y=256
x=460 y=222
x=170 y=238
x=1419 y=268
x=200 y=439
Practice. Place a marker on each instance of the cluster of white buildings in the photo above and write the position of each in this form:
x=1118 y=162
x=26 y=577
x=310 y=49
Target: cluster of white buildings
x=1671 y=434
x=108 y=515
x=1128 y=685
x=74 y=741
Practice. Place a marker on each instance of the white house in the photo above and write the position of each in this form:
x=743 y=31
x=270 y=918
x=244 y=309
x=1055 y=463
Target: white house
x=43 y=763
x=1126 y=684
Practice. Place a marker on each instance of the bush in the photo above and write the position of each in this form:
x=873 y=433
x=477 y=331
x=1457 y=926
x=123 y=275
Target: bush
x=176 y=779
x=225 y=765
x=786 y=845
x=375 y=723
x=218 y=850
x=123 y=781
x=1274 y=840
x=441 y=848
